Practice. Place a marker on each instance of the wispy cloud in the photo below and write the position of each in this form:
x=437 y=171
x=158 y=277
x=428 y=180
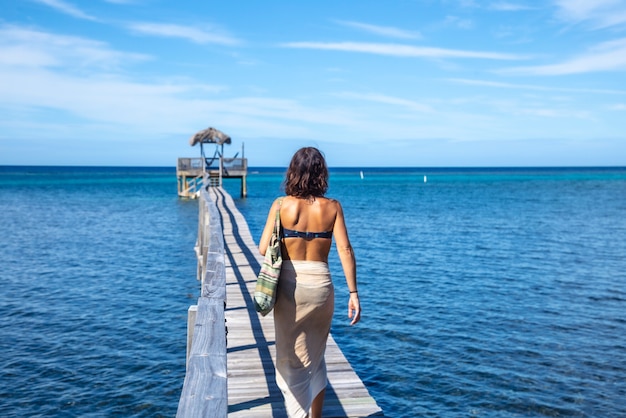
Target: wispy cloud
x=607 y=56
x=385 y=99
x=504 y=6
x=25 y=47
x=168 y=30
x=66 y=8
x=599 y=13
x=387 y=31
x=399 y=50
x=88 y=80
x=84 y=78
x=553 y=113
x=531 y=87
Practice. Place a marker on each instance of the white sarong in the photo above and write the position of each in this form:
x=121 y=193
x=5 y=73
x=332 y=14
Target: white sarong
x=302 y=316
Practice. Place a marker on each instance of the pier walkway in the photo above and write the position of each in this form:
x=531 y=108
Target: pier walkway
x=252 y=390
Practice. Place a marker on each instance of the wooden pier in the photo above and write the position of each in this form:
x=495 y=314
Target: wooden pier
x=243 y=384
x=195 y=173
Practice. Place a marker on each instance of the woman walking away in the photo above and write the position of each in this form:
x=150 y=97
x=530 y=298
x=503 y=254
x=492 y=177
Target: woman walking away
x=305 y=301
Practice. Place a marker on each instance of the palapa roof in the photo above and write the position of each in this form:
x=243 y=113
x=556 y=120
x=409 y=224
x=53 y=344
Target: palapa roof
x=209 y=136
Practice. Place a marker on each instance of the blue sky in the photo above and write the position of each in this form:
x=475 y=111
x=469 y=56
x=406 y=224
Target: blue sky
x=371 y=83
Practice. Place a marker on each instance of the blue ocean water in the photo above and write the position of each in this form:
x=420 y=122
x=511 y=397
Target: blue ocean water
x=485 y=292
x=97 y=274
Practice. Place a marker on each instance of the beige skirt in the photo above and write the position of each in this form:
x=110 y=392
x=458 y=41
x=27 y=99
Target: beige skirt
x=302 y=315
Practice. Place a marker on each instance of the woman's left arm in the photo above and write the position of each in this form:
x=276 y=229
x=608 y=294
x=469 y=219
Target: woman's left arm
x=348 y=262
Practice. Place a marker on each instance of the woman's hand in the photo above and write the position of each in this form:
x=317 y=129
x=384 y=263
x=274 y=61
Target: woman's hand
x=354 y=308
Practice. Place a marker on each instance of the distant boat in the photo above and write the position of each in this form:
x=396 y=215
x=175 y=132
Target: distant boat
x=361 y=175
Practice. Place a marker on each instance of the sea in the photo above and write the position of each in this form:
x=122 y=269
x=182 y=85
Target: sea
x=486 y=292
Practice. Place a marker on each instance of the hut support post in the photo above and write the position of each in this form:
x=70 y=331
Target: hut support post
x=244 y=187
x=221 y=169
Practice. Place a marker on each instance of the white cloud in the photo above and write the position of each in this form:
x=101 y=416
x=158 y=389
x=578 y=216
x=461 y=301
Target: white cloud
x=168 y=30
x=66 y=8
x=509 y=7
x=599 y=13
x=106 y=99
x=607 y=56
x=108 y=107
x=618 y=107
x=498 y=84
x=27 y=47
x=82 y=78
x=582 y=9
x=401 y=50
x=385 y=99
x=382 y=30
x=83 y=81
x=554 y=113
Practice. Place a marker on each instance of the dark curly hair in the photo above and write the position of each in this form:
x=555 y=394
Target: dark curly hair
x=307 y=175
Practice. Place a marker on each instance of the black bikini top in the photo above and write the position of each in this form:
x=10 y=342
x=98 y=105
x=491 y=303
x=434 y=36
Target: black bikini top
x=290 y=233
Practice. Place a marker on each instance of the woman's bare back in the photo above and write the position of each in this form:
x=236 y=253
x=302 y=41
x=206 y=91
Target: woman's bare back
x=308 y=226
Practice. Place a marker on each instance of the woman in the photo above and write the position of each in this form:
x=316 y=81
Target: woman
x=305 y=300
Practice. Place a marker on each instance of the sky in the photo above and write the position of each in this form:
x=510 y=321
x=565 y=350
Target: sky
x=417 y=83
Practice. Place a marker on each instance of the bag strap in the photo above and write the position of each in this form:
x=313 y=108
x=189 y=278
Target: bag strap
x=277 y=219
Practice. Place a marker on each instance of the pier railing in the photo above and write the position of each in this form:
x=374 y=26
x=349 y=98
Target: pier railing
x=234 y=166
x=205 y=392
x=195 y=173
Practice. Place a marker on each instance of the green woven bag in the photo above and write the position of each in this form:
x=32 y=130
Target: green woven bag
x=267 y=281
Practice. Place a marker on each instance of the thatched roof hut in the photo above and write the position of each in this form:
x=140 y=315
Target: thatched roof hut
x=209 y=136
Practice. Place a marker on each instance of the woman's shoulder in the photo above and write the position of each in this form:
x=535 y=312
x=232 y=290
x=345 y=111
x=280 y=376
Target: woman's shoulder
x=277 y=203
x=293 y=200
x=331 y=206
x=331 y=201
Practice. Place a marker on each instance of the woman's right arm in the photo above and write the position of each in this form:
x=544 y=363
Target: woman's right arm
x=269 y=227
x=348 y=263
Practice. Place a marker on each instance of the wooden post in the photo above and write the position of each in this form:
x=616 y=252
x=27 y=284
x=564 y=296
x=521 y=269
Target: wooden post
x=192 y=313
x=244 y=187
x=221 y=168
